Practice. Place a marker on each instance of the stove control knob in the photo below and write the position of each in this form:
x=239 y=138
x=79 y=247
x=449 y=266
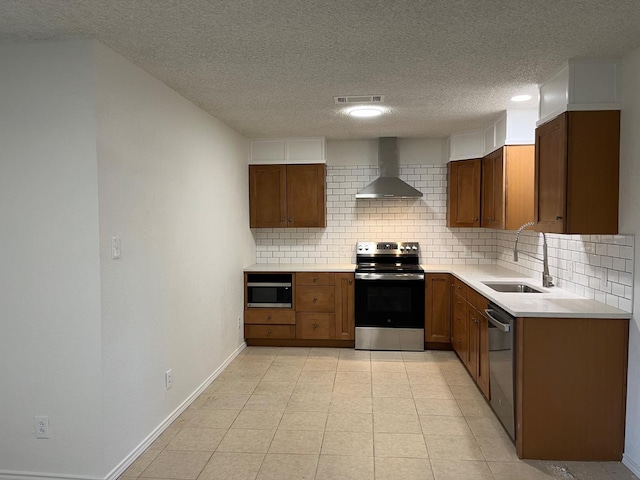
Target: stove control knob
x=401 y=247
x=359 y=248
x=414 y=248
x=366 y=247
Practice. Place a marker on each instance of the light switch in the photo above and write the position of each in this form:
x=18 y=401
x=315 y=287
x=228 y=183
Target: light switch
x=115 y=248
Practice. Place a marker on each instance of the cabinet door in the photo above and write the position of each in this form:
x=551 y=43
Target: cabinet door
x=438 y=308
x=551 y=175
x=463 y=200
x=345 y=306
x=460 y=328
x=472 y=352
x=306 y=195
x=267 y=196
x=493 y=190
x=483 y=355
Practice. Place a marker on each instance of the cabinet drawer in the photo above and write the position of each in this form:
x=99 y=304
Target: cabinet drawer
x=269 y=331
x=477 y=300
x=315 y=278
x=319 y=326
x=460 y=288
x=270 y=316
x=459 y=303
x=315 y=299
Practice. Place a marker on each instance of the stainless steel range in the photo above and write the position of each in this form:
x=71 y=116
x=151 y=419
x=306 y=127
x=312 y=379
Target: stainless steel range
x=389 y=296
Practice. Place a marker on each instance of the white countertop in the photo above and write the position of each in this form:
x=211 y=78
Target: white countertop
x=553 y=302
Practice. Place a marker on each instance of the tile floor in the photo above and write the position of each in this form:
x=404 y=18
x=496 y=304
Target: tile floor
x=311 y=413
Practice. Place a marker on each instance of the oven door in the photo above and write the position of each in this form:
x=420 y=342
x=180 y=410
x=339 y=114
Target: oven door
x=389 y=300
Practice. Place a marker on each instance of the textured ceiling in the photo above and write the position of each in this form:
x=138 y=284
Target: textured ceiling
x=272 y=68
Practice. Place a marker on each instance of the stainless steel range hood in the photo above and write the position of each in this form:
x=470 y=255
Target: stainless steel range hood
x=388 y=185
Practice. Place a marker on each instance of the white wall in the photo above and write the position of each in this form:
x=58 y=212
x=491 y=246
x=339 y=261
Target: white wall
x=50 y=346
x=173 y=185
x=630 y=222
x=421 y=151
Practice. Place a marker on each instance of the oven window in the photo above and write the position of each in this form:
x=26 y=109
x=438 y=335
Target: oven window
x=388 y=299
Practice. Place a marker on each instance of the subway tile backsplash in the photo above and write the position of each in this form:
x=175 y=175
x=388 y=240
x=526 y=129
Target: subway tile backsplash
x=599 y=267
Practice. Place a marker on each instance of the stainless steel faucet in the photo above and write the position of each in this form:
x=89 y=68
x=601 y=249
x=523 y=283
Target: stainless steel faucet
x=547 y=279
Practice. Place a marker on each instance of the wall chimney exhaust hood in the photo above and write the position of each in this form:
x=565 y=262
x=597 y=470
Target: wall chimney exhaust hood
x=388 y=185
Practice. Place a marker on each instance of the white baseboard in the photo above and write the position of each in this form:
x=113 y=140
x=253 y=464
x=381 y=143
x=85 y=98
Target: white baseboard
x=9 y=475
x=631 y=464
x=119 y=470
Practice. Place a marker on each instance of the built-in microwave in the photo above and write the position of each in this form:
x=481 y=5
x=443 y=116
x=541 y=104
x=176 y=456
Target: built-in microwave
x=269 y=290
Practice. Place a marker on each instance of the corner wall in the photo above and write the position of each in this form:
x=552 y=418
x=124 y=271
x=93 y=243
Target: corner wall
x=173 y=185
x=50 y=338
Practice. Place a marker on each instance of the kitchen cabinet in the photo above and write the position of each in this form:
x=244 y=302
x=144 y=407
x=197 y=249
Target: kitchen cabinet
x=507 y=187
x=437 y=308
x=570 y=388
x=459 y=321
x=322 y=315
x=287 y=196
x=463 y=198
x=577 y=173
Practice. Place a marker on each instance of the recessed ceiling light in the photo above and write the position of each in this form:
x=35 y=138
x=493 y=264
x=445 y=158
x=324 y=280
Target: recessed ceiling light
x=521 y=98
x=364 y=112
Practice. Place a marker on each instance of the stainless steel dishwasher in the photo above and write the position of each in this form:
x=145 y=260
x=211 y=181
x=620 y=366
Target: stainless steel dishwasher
x=501 y=365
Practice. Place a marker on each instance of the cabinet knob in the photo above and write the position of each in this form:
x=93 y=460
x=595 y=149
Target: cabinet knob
x=315 y=325
x=350 y=281
x=268 y=317
x=315 y=299
x=315 y=279
x=475 y=219
x=291 y=219
x=269 y=332
x=558 y=217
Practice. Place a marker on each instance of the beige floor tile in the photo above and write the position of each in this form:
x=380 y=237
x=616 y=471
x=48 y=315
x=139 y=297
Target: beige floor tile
x=453 y=447
x=390 y=378
x=335 y=467
x=237 y=387
x=274 y=388
x=431 y=391
x=461 y=470
x=475 y=407
x=419 y=357
x=242 y=440
x=386 y=356
x=399 y=445
x=422 y=378
x=304 y=421
x=349 y=422
x=618 y=471
x=439 y=425
x=176 y=464
x=289 y=361
x=164 y=439
x=486 y=427
x=298 y=442
x=353 y=365
x=326 y=352
x=257 y=419
x=232 y=466
x=308 y=403
x=386 y=366
x=197 y=439
x=225 y=402
x=294 y=351
x=348 y=443
x=141 y=463
x=497 y=449
x=426 y=366
x=282 y=373
x=341 y=404
x=438 y=406
x=394 y=423
x=459 y=379
x=321 y=364
x=278 y=466
x=267 y=403
x=350 y=354
x=453 y=368
x=529 y=470
x=466 y=392
x=352 y=389
x=314 y=376
x=401 y=406
x=353 y=377
x=212 y=419
x=392 y=390
x=313 y=388
x=586 y=470
x=403 y=468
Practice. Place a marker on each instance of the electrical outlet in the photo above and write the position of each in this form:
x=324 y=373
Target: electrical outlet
x=41 y=424
x=115 y=248
x=239 y=323
x=168 y=379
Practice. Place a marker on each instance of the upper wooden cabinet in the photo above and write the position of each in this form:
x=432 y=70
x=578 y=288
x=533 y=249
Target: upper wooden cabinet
x=287 y=196
x=463 y=199
x=576 y=173
x=507 y=187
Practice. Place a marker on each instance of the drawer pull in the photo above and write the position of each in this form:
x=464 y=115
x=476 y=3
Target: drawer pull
x=268 y=317
x=315 y=325
x=269 y=332
x=315 y=279
x=350 y=281
x=315 y=299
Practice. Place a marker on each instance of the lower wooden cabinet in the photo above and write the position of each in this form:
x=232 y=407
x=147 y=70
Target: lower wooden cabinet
x=323 y=310
x=437 y=325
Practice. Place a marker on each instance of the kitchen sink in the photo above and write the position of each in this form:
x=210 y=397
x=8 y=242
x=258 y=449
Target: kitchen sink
x=512 y=287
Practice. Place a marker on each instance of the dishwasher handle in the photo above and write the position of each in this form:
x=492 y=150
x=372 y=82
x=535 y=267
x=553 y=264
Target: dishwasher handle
x=505 y=327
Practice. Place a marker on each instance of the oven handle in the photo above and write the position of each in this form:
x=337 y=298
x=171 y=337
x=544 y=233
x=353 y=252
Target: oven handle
x=389 y=276
x=505 y=327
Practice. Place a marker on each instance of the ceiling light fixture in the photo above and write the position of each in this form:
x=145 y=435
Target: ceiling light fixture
x=520 y=98
x=365 y=112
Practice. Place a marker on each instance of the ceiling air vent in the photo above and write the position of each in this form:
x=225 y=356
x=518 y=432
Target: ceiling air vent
x=354 y=99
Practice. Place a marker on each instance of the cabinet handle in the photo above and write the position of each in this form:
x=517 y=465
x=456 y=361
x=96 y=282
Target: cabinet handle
x=558 y=217
x=475 y=219
x=315 y=325
x=291 y=219
x=315 y=279
x=315 y=299
x=268 y=317
x=350 y=281
x=269 y=332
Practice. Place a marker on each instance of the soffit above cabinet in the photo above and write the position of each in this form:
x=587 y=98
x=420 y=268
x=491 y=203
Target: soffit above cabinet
x=265 y=151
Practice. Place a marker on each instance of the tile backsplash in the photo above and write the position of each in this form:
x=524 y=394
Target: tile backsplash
x=599 y=267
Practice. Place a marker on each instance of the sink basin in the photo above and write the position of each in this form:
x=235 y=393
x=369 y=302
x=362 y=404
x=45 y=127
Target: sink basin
x=512 y=287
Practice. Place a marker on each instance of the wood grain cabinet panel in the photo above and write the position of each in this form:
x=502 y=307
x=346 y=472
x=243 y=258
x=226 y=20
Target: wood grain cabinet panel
x=268 y=196
x=463 y=196
x=438 y=308
x=270 y=331
x=311 y=325
x=270 y=316
x=345 y=306
x=315 y=299
x=577 y=173
x=315 y=278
